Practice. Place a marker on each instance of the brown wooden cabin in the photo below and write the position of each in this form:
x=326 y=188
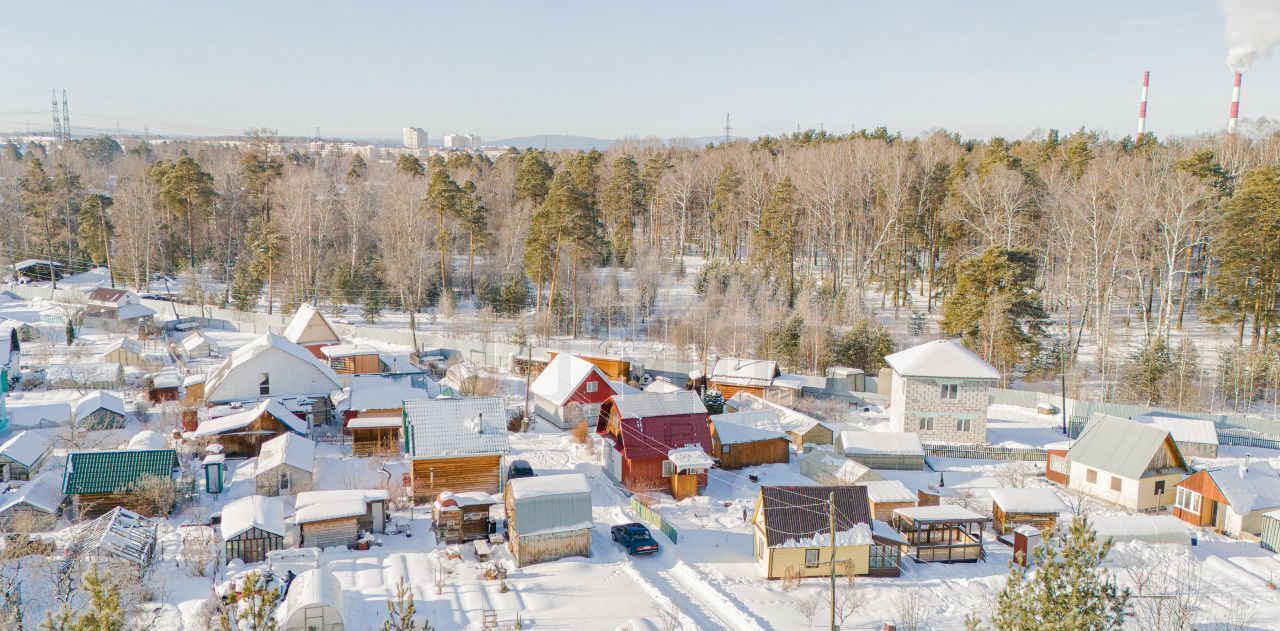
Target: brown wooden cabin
x=1035 y=507
x=886 y=496
x=335 y=518
x=375 y=435
x=946 y=533
x=98 y=481
x=353 y=359
x=455 y=445
x=615 y=369
x=461 y=517
x=738 y=443
x=242 y=434
x=731 y=375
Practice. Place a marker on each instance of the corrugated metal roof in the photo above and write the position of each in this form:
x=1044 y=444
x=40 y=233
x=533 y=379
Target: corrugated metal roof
x=1118 y=446
x=553 y=503
x=1248 y=488
x=799 y=512
x=648 y=404
x=93 y=472
x=441 y=428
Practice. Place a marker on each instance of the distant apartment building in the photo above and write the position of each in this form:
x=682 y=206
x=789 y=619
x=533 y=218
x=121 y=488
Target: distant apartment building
x=461 y=142
x=415 y=138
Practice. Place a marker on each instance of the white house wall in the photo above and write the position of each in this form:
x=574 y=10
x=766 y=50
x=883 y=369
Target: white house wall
x=289 y=376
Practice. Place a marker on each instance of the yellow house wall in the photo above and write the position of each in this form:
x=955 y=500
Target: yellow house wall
x=782 y=558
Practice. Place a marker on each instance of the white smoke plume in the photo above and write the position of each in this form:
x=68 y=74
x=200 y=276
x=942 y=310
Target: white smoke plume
x=1253 y=30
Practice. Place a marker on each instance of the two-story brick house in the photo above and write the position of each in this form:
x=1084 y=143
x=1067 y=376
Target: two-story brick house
x=940 y=391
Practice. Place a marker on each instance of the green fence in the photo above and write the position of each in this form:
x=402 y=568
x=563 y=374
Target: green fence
x=651 y=517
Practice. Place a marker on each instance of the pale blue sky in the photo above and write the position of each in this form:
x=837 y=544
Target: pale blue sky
x=610 y=69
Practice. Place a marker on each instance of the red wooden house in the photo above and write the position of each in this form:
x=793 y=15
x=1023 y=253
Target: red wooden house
x=648 y=438
x=569 y=391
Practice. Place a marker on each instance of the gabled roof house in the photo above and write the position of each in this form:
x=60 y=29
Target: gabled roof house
x=649 y=434
x=455 y=445
x=1230 y=499
x=569 y=391
x=941 y=391
x=1126 y=463
x=311 y=330
x=269 y=366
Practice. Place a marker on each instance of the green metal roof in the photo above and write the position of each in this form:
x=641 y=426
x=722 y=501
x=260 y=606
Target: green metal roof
x=92 y=472
x=1119 y=446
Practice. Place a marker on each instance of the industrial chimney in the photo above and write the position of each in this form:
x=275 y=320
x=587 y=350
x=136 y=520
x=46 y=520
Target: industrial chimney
x=1142 y=105
x=1235 y=107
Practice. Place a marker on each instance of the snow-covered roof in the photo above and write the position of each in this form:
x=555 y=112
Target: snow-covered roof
x=544 y=485
x=792 y=382
x=942 y=359
x=858 y=535
x=941 y=512
x=289 y=449
x=127 y=343
x=312 y=588
x=846 y=470
x=789 y=420
x=130 y=312
x=559 y=381
x=1148 y=528
x=24 y=414
x=147 y=440
x=660 y=385
x=165 y=379
x=324 y=505
x=244 y=354
x=43 y=492
x=386 y=392
x=99 y=400
x=375 y=422
x=690 y=457
x=747 y=427
x=347 y=350
x=1184 y=430
x=469 y=426
x=882 y=530
x=232 y=422
x=737 y=371
x=254 y=511
x=1028 y=501
x=26 y=448
x=309 y=326
x=467 y=498
x=1248 y=487
x=881 y=443
x=25 y=263
x=648 y=405
x=888 y=491
x=194 y=341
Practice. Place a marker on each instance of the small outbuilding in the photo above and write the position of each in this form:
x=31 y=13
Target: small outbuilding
x=100 y=410
x=125 y=351
x=285 y=466
x=383 y=395
x=1196 y=438
x=886 y=496
x=352 y=359
x=548 y=518
x=1146 y=528
x=97 y=481
x=802 y=429
x=34 y=506
x=336 y=518
x=22 y=455
x=747 y=439
x=883 y=450
x=313 y=603
x=375 y=435
x=309 y=329
x=1038 y=508
x=461 y=517
x=253 y=526
x=197 y=346
x=243 y=433
x=1270 y=536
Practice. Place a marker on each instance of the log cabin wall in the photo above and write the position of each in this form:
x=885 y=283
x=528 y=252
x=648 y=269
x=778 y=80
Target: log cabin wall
x=772 y=451
x=330 y=533
x=460 y=475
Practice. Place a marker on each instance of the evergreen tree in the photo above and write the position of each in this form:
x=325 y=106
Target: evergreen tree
x=446 y=198
x=724 y=205
x=917 y=323
x=410 y=165
x=783 y=342
x=186 y=190
x=401 y=610
x=862 y=346
x=475 y=220
x=254 y=603
x=583 y=167
x=996 y=307
x=1063 y=590
x=773 y=247
x=258 y=174
x=104 y=612
x=358 y=169
x=246 y=286
x=100 y=149
x=96 y=229
x=622 y=201
x=714 y=402
x=12 y=152
x=265 y=245
x=67 y=191
x=533 y=177
x=1248 y=250
x=1143 y=378
x=35 y=192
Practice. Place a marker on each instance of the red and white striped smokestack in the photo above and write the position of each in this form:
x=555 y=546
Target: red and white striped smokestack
x=1235 y=108
x=1142 y=105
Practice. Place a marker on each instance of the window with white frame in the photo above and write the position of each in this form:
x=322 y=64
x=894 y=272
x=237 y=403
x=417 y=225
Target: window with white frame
x=592 y=386
x=950 y=391
x=926 y=423
x=964 y=425
x=1188 y=500
x=811 y=557
x=668 y=468
x=1058 y=464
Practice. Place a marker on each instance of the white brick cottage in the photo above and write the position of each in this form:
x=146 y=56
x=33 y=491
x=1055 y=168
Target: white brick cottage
x=940 y=391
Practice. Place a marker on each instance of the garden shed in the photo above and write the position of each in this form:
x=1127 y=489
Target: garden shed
x=883 y=450
x=1271 y=531
x=549 y=518
x=34 y=505
x=461 y=517
x=286 y=466
x=100 y=410
x=1038 y=508
x=886 y=496
x=335 y=518
x=825 y=466
x=747 y=439
x=22 y=455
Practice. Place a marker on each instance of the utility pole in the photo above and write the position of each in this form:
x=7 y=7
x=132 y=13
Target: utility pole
x=831 y=514
x=66 y=118
x=528 y=373
x=1064 y=402
x=57 y=118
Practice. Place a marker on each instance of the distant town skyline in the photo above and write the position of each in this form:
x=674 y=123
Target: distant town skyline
x=603 y=71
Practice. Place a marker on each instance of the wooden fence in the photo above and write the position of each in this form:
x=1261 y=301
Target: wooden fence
x=651 y=517
x=985 y=452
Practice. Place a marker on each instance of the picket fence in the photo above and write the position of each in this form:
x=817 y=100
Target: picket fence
x=651 y=517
